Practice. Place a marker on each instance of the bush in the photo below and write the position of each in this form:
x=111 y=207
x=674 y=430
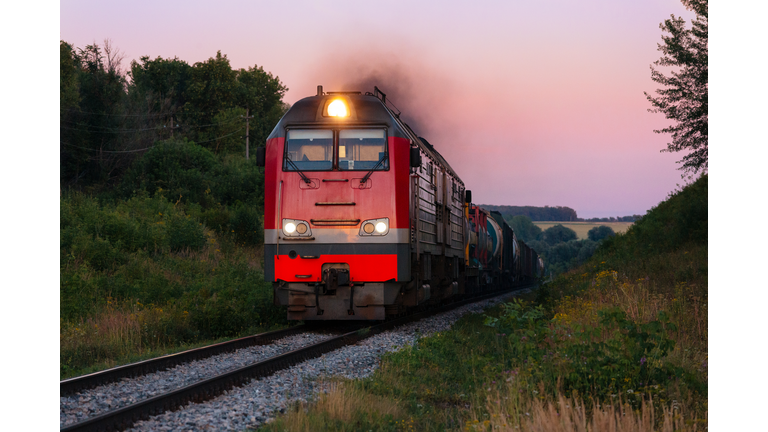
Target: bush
x=191 y=174
x=618 y=356
x=673 y=224
x=178 y=167
x=247 y=225
x=558 y=234
x=185 y=233
x=237 y=180
x=601 y=232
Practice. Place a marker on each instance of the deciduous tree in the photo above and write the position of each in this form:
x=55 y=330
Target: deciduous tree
x=683 y=99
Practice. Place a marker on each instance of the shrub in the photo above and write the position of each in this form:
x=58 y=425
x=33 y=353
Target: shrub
x=177 y=166
x=185 y=233
x=617 y=356
x=558 y=234
x=600 y=232
x=674 y=223
x=247 y=225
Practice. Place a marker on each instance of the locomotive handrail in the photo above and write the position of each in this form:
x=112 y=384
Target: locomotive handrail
x=333 y=203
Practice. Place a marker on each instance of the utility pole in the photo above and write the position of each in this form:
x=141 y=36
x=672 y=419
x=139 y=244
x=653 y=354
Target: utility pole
x=247 y=133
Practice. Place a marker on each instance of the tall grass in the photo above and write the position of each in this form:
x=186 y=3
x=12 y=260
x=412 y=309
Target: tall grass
x=619 y=343
x=146 y=275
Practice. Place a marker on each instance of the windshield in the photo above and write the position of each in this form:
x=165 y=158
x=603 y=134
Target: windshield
x=362 y=149
x=310 y=150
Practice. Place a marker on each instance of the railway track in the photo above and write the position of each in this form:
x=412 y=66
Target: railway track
x=84 y=382
x=125 y=417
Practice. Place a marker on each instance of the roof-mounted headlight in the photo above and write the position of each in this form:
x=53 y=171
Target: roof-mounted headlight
x=338 y=108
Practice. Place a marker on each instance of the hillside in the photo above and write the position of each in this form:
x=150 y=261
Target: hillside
x=620 y=340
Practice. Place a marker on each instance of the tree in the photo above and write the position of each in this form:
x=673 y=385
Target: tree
x=599 y=233
x=69 y=92
x=160 y=82
x=558 y=234
x=685 y=96
x=524 y=229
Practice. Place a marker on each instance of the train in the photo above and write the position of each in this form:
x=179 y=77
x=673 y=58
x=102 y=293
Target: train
x=365 y=220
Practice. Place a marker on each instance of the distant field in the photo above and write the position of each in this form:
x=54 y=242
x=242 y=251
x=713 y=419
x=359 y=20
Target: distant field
x=582 y=228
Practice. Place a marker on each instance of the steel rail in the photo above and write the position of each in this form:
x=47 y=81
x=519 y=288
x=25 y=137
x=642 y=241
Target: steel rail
x=125 y=417
x=77 y=384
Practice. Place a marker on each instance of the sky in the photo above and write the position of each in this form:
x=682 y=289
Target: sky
x=531 y=102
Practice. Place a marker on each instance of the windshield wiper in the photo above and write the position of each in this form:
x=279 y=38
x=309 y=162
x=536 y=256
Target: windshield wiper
x=295 y=168
x=365 y=179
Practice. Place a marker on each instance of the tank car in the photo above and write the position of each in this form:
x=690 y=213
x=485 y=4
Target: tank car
x=363 y=219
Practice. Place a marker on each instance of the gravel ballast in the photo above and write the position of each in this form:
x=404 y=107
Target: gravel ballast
x=80 y=406
x=260 y=400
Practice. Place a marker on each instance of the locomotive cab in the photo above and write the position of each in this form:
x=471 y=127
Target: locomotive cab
x=337 y=243
x=364 y=219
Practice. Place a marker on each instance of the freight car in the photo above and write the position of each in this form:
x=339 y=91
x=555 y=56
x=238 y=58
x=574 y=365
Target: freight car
x=363 y=219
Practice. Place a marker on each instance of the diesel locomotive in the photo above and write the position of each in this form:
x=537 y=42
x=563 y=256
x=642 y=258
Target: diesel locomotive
x=364 y=219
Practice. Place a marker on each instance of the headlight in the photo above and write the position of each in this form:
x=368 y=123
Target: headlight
x=296 y=228
x=338 y=108
x=374 y=227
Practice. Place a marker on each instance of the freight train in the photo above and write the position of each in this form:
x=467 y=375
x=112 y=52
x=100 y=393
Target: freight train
x=364 y=219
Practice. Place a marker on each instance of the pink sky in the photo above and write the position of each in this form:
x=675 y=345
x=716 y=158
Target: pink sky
x=531 y=102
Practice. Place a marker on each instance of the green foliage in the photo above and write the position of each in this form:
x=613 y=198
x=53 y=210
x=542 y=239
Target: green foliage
x=247 y=225
x=237 y=180
x=185 y=233
x=148 y=261
x=178 y=167
x=684 y=98
x=163 y=82
x=558 y=234
x=107 y=121
x=545 y=213
x=524 y=229
x=598 y=233
x=583 y=358
x=224 y=192
x=679 y=221
x=69 y=94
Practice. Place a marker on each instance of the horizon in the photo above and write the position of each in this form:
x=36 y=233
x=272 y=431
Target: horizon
x=548 y=95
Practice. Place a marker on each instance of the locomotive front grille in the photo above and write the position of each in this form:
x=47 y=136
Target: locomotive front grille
x=335 y=222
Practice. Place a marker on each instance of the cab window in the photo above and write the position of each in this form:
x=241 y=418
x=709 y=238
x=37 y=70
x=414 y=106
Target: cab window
x=362 y=149
x=309 y=150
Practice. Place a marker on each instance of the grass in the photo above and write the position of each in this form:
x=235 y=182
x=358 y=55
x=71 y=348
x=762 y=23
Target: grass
x=582 y=228
x=145 y=277
x=617 y=344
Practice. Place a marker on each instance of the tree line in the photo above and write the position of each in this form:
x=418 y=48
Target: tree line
x=545 y=213
x=558 y=245
x=109 y=116
x=552 y=214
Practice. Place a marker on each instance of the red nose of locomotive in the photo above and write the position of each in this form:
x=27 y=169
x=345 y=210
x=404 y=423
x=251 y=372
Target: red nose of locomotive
x=336 y=208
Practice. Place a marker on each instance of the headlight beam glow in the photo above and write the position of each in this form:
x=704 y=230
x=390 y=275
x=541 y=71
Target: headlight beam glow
x=338 y=108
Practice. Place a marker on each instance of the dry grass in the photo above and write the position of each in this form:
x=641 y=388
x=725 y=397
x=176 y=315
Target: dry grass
x=507 y=413
x=342 y=404
x=582 y=228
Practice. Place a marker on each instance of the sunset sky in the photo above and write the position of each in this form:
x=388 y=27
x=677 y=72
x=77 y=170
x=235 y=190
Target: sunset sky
x=531 y=102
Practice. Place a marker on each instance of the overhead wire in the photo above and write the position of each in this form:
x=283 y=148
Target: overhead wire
x=109 y=130
x=146 y=148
